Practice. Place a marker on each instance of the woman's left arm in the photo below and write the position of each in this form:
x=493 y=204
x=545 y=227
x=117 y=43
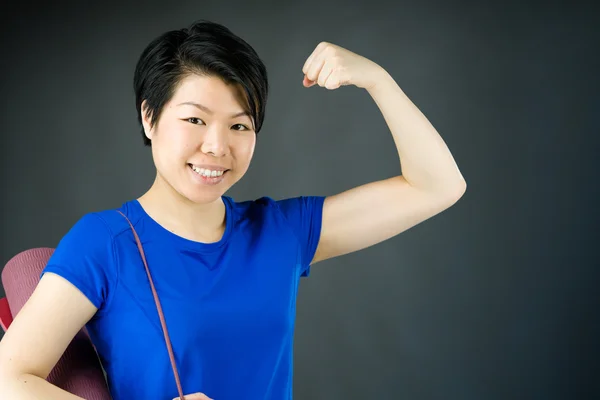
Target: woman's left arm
x=430 y=181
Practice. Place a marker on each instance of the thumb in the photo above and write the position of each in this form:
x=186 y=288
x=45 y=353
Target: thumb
x=195 y=396
x=307 y=82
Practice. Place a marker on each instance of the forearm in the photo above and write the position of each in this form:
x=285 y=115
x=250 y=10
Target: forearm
x=31 y=387
x=425 y=159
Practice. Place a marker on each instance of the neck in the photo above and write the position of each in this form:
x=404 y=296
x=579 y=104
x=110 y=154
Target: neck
x=199 y=222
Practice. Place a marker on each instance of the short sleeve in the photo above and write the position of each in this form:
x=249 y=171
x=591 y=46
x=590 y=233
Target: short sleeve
x=85 y=257
x=305 y=215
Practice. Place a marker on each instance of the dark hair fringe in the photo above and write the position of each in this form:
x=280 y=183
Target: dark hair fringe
x=204 y=48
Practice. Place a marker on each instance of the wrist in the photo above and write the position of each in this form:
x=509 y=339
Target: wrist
x=380 y=79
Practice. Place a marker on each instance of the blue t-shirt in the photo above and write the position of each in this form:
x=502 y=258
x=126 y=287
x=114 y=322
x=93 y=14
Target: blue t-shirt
x=229 y=306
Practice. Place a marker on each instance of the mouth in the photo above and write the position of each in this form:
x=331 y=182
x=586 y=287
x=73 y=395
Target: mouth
x=208 y=173
x=208 y=176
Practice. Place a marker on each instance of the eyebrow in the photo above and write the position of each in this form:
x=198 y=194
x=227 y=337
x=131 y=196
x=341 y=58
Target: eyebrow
x=209 y=111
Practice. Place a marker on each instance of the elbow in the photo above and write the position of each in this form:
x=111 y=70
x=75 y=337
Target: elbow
x=453 y=192
x=7 y=374
x=446 y=189
x=12 y=384
x=4 y=371
x=460 y=189
x=7 y=378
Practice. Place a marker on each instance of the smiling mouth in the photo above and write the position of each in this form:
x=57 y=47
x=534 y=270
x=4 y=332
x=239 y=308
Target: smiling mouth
x=207 y=173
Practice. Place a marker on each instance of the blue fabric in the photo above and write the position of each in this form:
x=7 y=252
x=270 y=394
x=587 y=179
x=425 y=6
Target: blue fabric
x=229 y=306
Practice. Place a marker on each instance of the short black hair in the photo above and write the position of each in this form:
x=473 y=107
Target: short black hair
x=204 y=48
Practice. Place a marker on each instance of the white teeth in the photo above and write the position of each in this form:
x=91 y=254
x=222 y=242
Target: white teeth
x=207 y=172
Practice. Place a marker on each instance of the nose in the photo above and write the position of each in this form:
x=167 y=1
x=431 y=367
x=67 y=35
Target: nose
x=216 y=141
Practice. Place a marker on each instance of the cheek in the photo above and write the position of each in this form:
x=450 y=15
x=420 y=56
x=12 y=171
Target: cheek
x=177 y=140
x=244 y=148
x=170 y=146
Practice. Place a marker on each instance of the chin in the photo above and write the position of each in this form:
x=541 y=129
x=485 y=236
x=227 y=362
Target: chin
x=197 y=190
x=202 y=196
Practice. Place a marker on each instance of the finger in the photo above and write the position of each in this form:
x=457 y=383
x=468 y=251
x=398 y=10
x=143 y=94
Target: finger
x=312 y=56
x=194 y=396
x=324 y=74
x=333 y=81
x=314 y=69
x=307 y=82
x=320 y=47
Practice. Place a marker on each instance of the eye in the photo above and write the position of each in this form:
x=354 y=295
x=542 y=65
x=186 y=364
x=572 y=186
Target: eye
x=195 y=121
x=240 y=127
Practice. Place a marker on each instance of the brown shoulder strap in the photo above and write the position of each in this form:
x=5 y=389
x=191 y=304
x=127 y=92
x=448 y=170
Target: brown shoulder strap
x=159 y=308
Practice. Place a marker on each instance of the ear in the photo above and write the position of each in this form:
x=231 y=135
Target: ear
x=146 y=120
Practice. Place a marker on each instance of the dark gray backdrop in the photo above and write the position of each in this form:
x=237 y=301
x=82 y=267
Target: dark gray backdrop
x=496 y=298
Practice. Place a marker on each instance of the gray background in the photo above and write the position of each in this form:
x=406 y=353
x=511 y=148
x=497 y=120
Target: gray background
x=496 y=298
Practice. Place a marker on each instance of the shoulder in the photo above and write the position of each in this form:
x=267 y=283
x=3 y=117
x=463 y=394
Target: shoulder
x=97 y=227
x=297 y=214
x=296 y=220
x=91 y=241
x=267 y=205
x=85 y=255
x=261 y=204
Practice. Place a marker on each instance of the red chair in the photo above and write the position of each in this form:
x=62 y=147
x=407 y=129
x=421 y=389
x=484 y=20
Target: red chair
x=5 y=315
x=79 y=370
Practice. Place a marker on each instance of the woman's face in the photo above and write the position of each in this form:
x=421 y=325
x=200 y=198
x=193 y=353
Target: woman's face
x=203 y=141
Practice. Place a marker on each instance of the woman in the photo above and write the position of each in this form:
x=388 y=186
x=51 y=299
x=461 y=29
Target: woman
x=226 y=272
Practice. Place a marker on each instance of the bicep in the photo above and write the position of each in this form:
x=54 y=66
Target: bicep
x=371 y=213
x=44 y=327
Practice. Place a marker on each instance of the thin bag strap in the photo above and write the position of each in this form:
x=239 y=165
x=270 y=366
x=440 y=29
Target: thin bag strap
x=159 y=308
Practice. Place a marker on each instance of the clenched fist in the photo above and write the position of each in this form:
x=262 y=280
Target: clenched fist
x=331 y=66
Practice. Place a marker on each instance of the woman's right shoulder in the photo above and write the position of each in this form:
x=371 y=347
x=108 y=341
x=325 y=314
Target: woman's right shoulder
x=103 y=224
x=94 y=235
x=87 y=255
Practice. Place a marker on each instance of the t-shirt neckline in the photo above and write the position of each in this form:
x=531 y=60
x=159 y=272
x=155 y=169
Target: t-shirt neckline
x=181 y=241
